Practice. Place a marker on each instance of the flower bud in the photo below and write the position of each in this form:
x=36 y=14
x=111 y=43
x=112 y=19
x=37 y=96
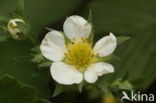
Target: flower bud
x=109 y=99
x=14 y=29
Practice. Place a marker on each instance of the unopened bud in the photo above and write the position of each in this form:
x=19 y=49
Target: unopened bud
x=14 y=29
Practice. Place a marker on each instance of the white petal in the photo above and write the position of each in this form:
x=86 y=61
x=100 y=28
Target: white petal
x=98 y=69
x=76 y=27
x=90 y=77
x=53 y=46
x=106 y=45
x=65 y=74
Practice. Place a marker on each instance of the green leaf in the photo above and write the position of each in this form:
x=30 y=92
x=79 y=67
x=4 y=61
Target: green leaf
x=59 y=89
x=20 y=66
x=13 y=91
x=122 y=39
x=142 y=52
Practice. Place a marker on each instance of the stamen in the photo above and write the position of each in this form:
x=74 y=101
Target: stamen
x=92 y=55
x=65 y=54
x=82 y=39
x=80 y=55
x=97 y=54
x=74 y=39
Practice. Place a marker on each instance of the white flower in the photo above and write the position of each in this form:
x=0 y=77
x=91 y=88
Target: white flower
x=13 y=27
x=77 y=60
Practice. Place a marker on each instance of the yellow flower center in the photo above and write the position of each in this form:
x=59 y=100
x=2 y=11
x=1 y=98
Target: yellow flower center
x=80 y=55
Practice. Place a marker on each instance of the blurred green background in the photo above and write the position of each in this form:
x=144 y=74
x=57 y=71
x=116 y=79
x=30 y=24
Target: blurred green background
x=134 y=18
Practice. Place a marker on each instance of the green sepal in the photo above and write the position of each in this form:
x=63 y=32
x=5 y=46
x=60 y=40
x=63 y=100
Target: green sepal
x=138 y=82
x=25 y=28
x=122 y=84
x=20 y=6
x=41 y=100
x=38 y=58
x=19 y=11
x=109 y=58
x=80 y=86
x=122 y=39
x=50 y=29
x=90 y=17
x=59 y=89
x=45 y=64
x=40 y=61
x=36 y=49
x=103 y=86
x=125 y=76
x=91 y=36
x=94 y=92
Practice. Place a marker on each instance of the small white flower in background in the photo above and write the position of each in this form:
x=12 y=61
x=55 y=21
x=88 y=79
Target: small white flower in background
x=77 y=60
x=13 y=27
